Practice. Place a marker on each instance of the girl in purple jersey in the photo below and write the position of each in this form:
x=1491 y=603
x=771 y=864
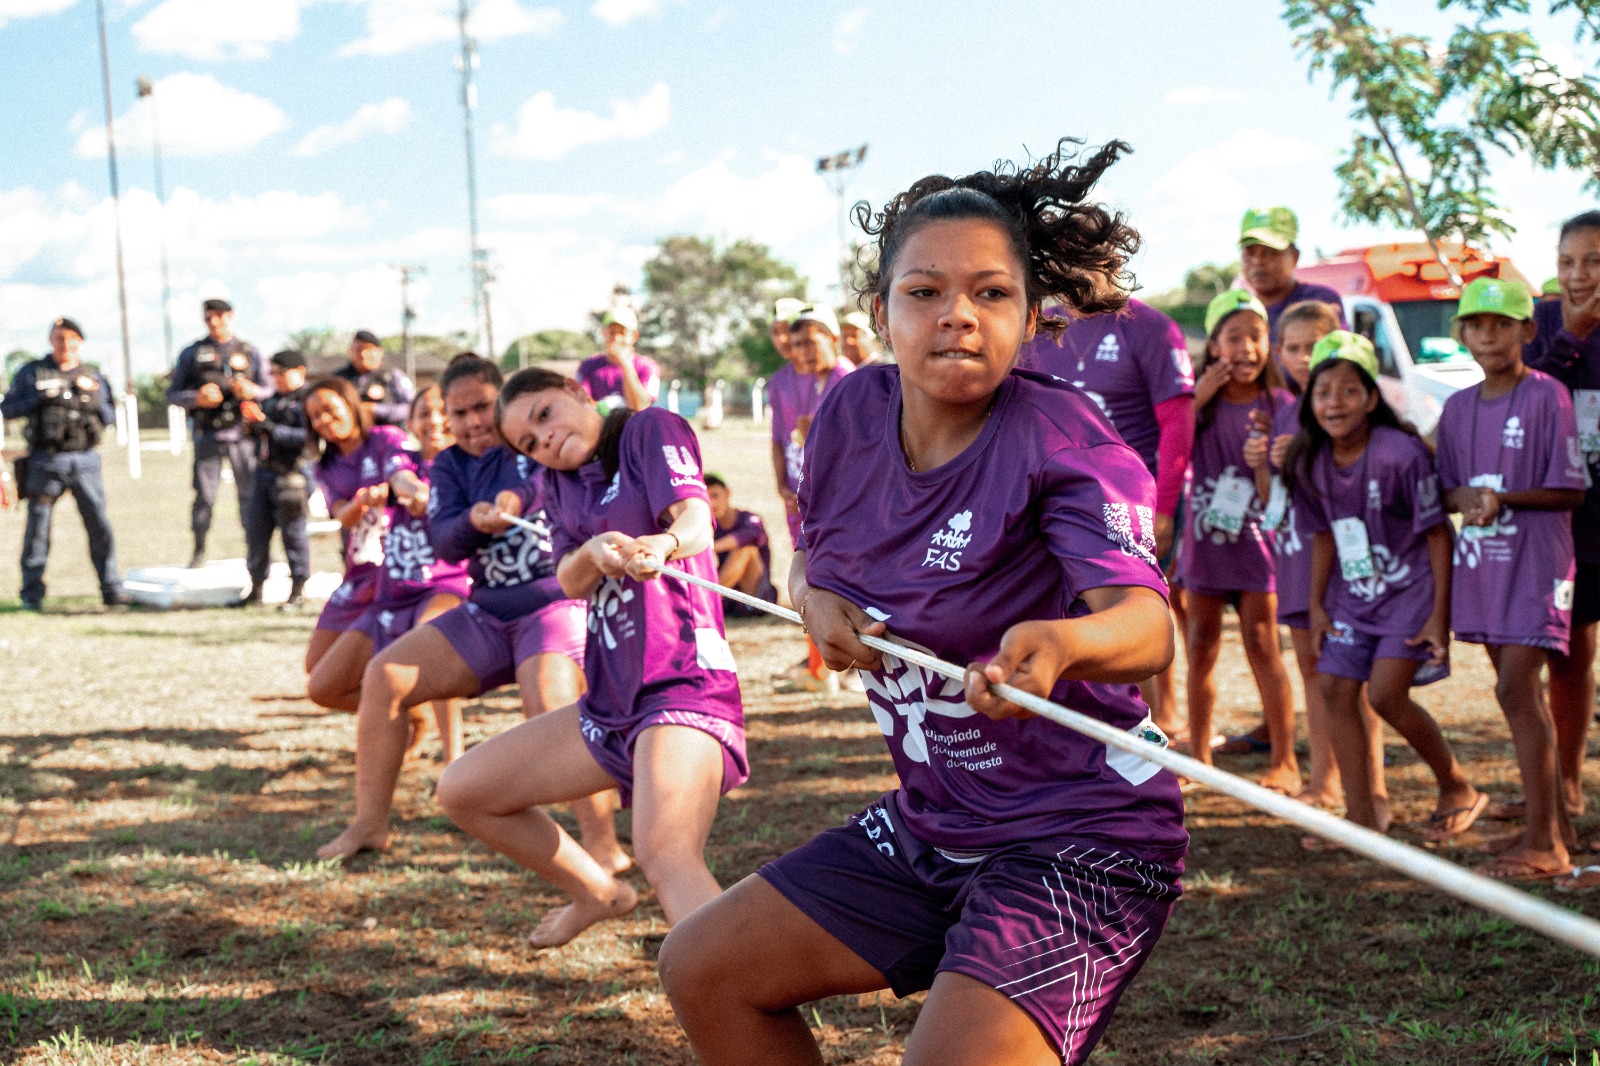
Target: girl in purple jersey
x=350 y=471
x=415 y=584
x=1021 y=872
x=1380 y=576
x=1509 y=461
x=516 y=627
x=1299 y=329
x=662 y=718
x=1227 y=550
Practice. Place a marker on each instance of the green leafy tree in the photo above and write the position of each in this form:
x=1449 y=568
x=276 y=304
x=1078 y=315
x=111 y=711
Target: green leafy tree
x=14 y=360
x=318 y=345
x=548 y=344
x=1434 y=114
x=704 y=306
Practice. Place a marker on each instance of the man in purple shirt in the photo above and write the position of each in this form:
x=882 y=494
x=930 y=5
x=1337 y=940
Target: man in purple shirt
x=744 y=553
x=619 y=374
x=1268 y=256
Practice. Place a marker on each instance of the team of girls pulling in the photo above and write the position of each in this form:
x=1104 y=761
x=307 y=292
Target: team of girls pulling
x=1003 y=494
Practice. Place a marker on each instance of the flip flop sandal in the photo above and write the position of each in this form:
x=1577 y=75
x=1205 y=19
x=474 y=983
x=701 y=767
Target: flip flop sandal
x=1505 y=869
x=1579 y=879
x=1439 y=822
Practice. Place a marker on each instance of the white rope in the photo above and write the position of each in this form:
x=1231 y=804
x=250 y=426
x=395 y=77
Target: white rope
x=1565 y=926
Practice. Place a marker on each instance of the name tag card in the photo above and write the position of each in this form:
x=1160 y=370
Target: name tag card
x=1229 y=503
x=1355 y=551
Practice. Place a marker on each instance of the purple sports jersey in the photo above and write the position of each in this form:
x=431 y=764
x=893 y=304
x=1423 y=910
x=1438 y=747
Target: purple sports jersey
x=1127 y=363
x=342 y=476
x=654 y=646
x=1299 y=294
x=793 y=397
x=513 y=573
x=602 y=379
x=1393 y=491
x=1047 y=503
x=1226 y=547
x=1291 y=538
x=411 y=568
x=1576 y=364
x=1512 y=579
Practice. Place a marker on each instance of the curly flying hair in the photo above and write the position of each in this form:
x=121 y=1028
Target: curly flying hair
x=1071 y=248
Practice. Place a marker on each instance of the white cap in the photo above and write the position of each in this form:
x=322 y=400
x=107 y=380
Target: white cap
x=787 y=308
x=821 y=314
x=860 y=321
x=621 y=315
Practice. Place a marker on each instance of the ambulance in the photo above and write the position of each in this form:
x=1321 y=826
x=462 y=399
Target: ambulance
x=1401 y=299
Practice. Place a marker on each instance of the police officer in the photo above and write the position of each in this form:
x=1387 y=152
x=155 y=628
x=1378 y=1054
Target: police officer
x=386 y=392
x=67 y=406
x=214 y=376
x=280 y=488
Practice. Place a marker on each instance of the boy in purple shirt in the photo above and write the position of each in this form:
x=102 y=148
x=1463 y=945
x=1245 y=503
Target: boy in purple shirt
x=1021 y=872
x=1380 y=576
x=1268 y=256
x=744 y=556
x=662 y=718
x=794 y=394
x=1509 y=462
x=619 y=376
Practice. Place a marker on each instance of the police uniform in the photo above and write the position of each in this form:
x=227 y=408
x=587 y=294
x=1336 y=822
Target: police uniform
x=218 y=431
x=386 y=390
x=67 y=410
x=279 y=492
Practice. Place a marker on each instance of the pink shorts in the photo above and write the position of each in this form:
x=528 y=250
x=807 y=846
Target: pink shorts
x=351 y=599
x=493 y=649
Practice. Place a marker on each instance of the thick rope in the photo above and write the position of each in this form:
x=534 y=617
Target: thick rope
x=1560 y=924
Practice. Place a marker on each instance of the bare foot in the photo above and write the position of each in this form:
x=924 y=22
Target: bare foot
x=1283 y=779
x=564 y=923
x=353 y=841
x=1329 y=798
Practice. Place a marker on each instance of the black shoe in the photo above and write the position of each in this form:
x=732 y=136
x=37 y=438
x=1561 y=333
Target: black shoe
x=116 y=599
x=297 y=597
x=251 y=598
x=198 y=559
x=36 y=606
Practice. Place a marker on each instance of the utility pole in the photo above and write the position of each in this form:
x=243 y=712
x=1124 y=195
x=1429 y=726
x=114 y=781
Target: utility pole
x=130 y=397
x=835 y=171
x=147 y=89
x=467 y=64
x=407 y=316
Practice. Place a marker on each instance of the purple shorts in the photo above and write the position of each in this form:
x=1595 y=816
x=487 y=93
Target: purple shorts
x=493 y=649
x=1350 y=653
x=1295 y=619
x=387 y=623
x=613 y=748
x=1060 y=928
x=351 y=599
x=1554 y=644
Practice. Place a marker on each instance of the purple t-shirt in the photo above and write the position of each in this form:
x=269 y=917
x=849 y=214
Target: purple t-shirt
x=654 y=645
x=747 y=529
x=1216 y=558
x=1048 y=502
x=342 y=476
x=1512 y=580
x=793 y=397
x=1291 y=539
x=1576 y=364
x=513 y=573
x=1127 y=363
x=602 y=379
x=1299 y=294
x=1394 y=490
x=411 y=568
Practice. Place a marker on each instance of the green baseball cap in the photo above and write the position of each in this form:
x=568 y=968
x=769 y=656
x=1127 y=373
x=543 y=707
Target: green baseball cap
x=1275 y=227
x=1551 y=287
x=1227 y=302
x=1495 y=296
x=1342 y=344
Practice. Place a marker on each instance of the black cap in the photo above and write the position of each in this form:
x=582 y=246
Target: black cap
x=222 y=306
x=67 y=323
x=366 y=336
x=288 y=360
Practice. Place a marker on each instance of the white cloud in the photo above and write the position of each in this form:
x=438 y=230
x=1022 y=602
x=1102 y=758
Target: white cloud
x=395 y=26
x=534 y=206
x=11 y=10
x=198 y=116
x=774 y=207
x=847 y=31
x=390 y=117
x=1200 y=95
x=621 y=12
x=546 y=131
x=212 y=32
x=1255 y=149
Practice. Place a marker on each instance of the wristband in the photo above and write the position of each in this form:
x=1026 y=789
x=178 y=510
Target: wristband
x=676 y=543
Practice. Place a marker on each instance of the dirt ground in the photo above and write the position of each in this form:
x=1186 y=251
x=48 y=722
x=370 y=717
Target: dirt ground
x=164 y=783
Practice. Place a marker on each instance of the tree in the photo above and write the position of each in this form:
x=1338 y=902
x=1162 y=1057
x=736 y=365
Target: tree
x=702 y=304
x=317 y=345
x=548 y=344
x=1439 y=113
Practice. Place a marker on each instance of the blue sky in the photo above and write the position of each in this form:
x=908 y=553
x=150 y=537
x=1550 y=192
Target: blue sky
x=310 y=145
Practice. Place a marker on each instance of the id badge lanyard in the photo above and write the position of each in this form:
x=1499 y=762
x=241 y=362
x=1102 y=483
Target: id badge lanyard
x=1495 y=478
x=1350 y=534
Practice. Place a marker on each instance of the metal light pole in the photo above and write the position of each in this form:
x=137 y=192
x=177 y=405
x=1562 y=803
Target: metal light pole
x=146 y=89
x=130 y=397
x=407 y=316
x=834 y=170
x=467 y=64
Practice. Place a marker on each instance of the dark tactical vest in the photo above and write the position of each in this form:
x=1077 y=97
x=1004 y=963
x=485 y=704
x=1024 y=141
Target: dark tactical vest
x=68 y=416
x=212 y=367
x=284 y=409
